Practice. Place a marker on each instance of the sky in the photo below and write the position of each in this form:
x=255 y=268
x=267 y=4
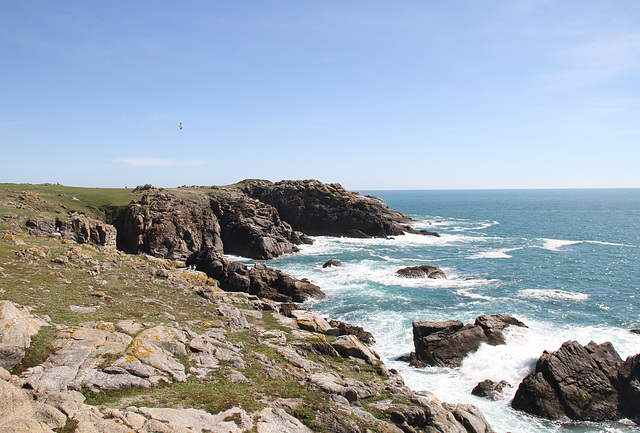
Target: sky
x=370 y=94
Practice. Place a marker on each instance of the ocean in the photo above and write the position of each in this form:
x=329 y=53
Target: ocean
x=565 y=262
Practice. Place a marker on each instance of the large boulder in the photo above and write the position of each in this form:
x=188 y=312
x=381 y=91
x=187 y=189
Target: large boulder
x=575 y=381
x=17 y=327
x=320 y=209
x=447 y=343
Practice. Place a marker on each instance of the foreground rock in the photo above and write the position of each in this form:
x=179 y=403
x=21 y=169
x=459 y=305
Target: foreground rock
x=582 y=383
x=127 y=355
x=17 y=327
x=423 y=271
x=446 y=343
x=319 y=209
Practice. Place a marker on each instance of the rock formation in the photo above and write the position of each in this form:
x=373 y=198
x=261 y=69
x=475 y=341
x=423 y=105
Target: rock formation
x=78 y=228
x=446 y=343
x=423 y=271
x=319 y=209
x=170 y=351
x=582 y=383
x=254 y=229
x=166 y=226
x=490 y=389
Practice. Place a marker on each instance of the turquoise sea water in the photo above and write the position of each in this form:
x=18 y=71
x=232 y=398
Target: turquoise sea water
x=565 y=262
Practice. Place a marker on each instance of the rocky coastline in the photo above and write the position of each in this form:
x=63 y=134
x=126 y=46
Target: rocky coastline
x=131 y=318
x=105 y=306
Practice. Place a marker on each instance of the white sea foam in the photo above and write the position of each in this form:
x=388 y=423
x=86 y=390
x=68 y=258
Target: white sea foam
x=510 y=362
x=615 y=244
x=469 y=293
x=556 y=244
x=494 y=254
x=552 y=295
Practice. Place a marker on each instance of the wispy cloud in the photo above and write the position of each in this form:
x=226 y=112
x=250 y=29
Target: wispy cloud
x=167 y=162
x=596 y=62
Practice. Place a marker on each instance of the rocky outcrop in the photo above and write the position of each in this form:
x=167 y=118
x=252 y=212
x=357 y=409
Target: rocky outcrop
x=259 y=280
x=582 y=383
x=423 y=271
x=78 y=228
x=17 y=327
x=254 y=229
x=446 y=343
x=332 y=263
x=319 y=209
x=490 y=389
x=166 y=226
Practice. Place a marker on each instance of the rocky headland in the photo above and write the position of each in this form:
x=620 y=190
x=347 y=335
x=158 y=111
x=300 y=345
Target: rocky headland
x=121 y=313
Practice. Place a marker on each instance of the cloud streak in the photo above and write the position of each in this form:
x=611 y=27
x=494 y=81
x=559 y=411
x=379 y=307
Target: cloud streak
x=597 y=62
x=156 y=162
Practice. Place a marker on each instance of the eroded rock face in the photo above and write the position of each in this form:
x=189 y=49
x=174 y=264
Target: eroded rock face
x=446 y=343
x=582 y=383
x=165 y=226
x=254 y=229
x=78 y=228
x=320 y=209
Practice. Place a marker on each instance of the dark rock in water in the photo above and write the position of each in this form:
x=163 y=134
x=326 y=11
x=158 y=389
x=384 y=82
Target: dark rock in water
x=319 y=209
x=424 y=271
x=629 y=387
x=490 y=389
x=494 y=324
x=634 y=331
x=446 y=343
x=260 y=280
x=575 y=381
x=332 y=262
x=358 y=331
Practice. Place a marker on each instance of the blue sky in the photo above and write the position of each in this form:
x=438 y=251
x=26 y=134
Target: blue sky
x=369 y=94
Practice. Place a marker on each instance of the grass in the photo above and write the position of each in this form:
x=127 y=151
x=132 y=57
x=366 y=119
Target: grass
x=39 y=350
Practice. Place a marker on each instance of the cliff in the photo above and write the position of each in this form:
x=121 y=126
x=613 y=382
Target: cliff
x=96 y=339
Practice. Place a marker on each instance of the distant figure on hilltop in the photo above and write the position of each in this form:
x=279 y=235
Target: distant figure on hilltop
x=180 y=126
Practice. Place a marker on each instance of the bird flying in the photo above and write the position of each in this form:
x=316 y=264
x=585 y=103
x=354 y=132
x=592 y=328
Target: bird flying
x=180 y=126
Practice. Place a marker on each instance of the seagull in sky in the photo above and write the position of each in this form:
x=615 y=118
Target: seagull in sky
x=180 y=126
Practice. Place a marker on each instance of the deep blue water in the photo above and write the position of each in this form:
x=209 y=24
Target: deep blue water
x=566 y=262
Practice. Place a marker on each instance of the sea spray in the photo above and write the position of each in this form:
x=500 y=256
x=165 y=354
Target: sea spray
x=563 y=262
